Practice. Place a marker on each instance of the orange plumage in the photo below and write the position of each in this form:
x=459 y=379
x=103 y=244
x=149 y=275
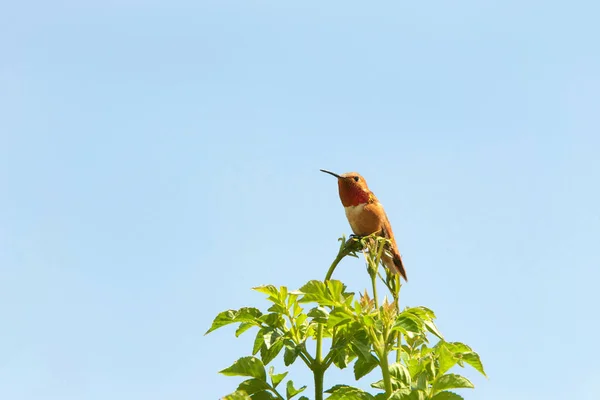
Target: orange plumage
x=366 y=216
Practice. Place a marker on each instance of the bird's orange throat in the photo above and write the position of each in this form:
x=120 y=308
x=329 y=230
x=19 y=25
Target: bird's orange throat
x=352 y=195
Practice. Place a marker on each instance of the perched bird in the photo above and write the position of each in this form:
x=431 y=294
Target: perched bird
x=366 y=216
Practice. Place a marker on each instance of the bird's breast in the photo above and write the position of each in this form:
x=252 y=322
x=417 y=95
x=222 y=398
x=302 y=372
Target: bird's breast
x=363 y=219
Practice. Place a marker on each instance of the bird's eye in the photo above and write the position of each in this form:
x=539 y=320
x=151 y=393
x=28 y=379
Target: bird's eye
x=356 y=178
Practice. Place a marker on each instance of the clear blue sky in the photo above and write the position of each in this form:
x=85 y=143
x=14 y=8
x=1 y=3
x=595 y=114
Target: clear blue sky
x=158 y=159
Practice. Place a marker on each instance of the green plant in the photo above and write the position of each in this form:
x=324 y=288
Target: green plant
x=362 y=331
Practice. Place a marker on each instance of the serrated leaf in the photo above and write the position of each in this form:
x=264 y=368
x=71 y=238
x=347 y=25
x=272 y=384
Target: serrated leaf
x=433 y=329
x=290 y=391
x=319 y=314
x=344 y=392
x=270 y=337
x=473 y=360
x=273 y=320
x=451 y=381
x=401 y=374
x=269 y=290
x=259 y=340
x=244 y=326
x=415 y=395
x=447 y=396
x=252 y=386
x=264 y=395
x=400 y=394
x=290 y=354
x=446 y=359
x=245 y=314
x=276 y=378
x=363 y=366
x=267 y=354
x=237 y=395
x=315 y=291
x=406 y=324
x=246 y=366
x=339 y=316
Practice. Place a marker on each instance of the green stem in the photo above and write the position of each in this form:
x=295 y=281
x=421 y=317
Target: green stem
x=374 y=284
x=318 y=370
x=385 y=370
x=334 y=264
x=399 y=342
x=318 y=374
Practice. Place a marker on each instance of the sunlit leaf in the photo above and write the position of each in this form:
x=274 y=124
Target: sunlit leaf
x=276 y=378
x=400 y=394
x=237 y=395
x=400 y=373
x=363 y=366
x=406 y=324
x=290 y=391
x=473 y=360
x=290 y=354
x=451 y=381
x=246 y=366
x=447 y=396
x=252 y=386
x=267 y=354
x=244 y=326
x=264 y=395
x=245 y=314
x=343 y=392
x=319 y=314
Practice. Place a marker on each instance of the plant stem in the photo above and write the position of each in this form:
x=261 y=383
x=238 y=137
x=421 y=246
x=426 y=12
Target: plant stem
x=334 y=264
x=385 y=370
x=399 y=343
x=318 y=370
x=374 y=284
x=318 y=374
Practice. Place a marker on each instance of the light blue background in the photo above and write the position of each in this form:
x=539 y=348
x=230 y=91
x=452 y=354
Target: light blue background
x=158 y=159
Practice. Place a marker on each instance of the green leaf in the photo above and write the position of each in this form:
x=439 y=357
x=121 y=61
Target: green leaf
x=290 y=354
x=273 y=320
x=269 y=290
x=246 y=366
x=363 y=366
x=336 y=291
x=405 y=323
x=473 y=360
x=290 y=391
x=244 y=326
x=259 y=340
x=276 y=378
x=267 y=354
x=315 y=291
x=264 y=395
x=319 y=314
x=415 y=395
x=339 y=316
x=451 y=381
x=446 y=359
x=252 y=386
x=399 y=394
x=245 y=314
x=237 y=395
x=447 y=396
x=401 y=374
x=270 y=337
x=343 y=392
x=433 y=329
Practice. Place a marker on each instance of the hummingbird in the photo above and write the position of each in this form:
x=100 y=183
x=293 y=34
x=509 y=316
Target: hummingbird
x=366 y=216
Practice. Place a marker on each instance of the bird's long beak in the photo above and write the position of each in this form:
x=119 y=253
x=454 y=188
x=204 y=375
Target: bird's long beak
x=330 y=173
